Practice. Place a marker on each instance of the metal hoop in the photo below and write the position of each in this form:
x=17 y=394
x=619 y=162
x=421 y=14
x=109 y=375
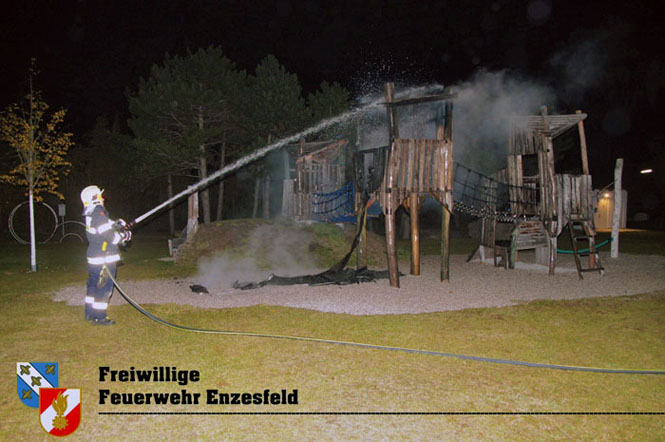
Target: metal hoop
x=10 y=222
x=71 y=233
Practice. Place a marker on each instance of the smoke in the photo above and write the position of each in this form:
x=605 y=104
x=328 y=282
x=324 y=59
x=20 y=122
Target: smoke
x=487 y=101
x=413 y=121
x=579 y=67
x=281 y=250
x=483 y=109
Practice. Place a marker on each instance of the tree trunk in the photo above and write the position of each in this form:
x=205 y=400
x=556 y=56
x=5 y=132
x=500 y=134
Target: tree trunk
x=414 y=206
x=220 y=194
x=33 y=251
x=203 y=169
x=287 y=186
x=257 y=187
x=169 y=189
x=31 y=186
x=266 y=197
x=205 y=194
x=192 y=215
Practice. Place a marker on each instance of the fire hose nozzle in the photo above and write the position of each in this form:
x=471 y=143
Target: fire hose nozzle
x=123 y=228
x=121 y=225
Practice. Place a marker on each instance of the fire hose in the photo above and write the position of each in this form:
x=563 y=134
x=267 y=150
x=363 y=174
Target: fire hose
x=342 y=263
x=159 y=320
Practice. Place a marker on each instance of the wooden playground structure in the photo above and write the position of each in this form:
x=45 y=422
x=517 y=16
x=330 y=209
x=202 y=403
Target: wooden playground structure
x=319 y=167
x=414 y=169
x=524 y=206
x=543 y=202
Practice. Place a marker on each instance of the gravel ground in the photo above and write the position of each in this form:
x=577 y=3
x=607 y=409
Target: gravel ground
x=472 y=285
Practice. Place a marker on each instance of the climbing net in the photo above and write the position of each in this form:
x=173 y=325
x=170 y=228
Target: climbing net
x=336 y=206
x=482 y=196
x=474 y=193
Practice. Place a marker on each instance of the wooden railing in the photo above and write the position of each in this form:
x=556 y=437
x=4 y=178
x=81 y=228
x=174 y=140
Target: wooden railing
x=421 y=166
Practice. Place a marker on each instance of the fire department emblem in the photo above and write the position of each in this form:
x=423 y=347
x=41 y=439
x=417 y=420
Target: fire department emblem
x=60 y=410
x=31 y=376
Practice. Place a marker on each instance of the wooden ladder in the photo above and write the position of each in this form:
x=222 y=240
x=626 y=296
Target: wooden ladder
x=580 y=230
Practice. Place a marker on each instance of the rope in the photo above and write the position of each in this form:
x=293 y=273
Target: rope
x=335 y=205
x=572 y=252
x=155 y=318
x=482 y=196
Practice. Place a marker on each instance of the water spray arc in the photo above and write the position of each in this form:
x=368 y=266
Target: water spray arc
x=262 y=152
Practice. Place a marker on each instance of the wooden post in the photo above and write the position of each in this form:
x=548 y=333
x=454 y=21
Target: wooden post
x=543 y=171
x=445 y=243
x=392 y=112
x=391 y=247
x=583 y=149
x=361 y=255
x=542 y=255
x=300 y=179
x=512 y=254
x=391 y=200
x=590 y=232
x=445 y=133
x=547 y=178
x=552 y=254
x=448 y=133
x=616 y=215
x=286 y=181
x=414 y=207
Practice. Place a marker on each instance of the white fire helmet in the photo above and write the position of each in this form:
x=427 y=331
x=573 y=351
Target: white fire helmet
x=91 y=195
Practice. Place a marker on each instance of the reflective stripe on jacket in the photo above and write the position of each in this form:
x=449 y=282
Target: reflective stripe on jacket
x=102 y=239
x=99 y=260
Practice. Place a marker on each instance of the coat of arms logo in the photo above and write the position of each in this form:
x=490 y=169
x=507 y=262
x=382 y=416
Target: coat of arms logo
x=60 y=410
x=31 y=376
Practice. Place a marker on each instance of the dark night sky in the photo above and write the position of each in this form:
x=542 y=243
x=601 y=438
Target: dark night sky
x=89 y=52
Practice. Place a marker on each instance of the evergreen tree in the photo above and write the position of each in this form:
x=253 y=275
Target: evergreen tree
x=274 y=109
x=330 y=100
x=182 y=111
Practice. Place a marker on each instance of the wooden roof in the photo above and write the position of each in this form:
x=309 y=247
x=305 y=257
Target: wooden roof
x=445 y=96
x=318 y=150
x=552 y=125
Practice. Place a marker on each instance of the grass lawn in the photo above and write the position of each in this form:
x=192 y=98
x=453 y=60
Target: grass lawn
x=622 y=332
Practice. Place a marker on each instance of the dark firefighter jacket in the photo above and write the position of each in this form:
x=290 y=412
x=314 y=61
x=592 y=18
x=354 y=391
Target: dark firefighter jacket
x=103 y=240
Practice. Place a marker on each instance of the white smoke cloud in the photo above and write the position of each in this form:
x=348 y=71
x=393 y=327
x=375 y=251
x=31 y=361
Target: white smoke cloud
x=481 y=117
x=483 y=109
x=580 y=67
x=270 y=249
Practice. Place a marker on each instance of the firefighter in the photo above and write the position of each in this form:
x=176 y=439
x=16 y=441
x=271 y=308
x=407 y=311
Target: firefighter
x=104 y=237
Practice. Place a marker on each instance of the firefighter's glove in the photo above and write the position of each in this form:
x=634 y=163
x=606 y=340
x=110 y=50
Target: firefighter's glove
x=126 y=236
x=120 y=224
x=122 y=237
